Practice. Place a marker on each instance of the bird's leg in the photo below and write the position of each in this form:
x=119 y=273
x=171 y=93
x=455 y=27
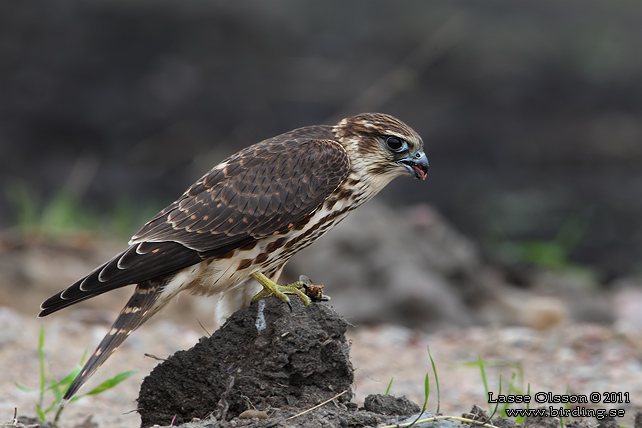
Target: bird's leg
x=303 y=288
x=280 y=291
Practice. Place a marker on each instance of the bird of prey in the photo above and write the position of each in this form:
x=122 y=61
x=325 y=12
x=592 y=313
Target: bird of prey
x=233 y=230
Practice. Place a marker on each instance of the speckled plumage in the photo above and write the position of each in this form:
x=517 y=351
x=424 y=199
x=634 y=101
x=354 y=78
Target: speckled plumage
x=248 y=214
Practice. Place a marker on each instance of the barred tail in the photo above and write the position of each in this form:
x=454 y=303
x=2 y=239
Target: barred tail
x=141 y=306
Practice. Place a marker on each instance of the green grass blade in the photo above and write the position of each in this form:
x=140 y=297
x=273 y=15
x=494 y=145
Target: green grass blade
x=434 y=371
x=41 y=358
x=82 y=359
x=55 y=389
x=426 y=394
x=480 y=362
x=520 y=419
x=567 y=405
x=25 y=389
x=66 y=380
x=496 y=404
x=389 y=385
x=511 y=390
x=52 y=406
x=110 y=383
x=41 y=414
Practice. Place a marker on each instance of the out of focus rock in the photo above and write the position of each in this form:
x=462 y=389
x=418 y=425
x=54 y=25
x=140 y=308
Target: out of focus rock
x=627 y=302
x=585 y=299
x=395 y=266
x=411 y=267
x=538 y=312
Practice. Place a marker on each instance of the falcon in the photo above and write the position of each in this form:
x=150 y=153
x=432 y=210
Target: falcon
x=231 y=233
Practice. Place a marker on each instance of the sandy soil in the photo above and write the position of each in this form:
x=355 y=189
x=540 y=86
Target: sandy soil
x=582 y=358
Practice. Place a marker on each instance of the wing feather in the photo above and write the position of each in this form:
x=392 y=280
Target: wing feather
x=270 y=185
x=128 y=267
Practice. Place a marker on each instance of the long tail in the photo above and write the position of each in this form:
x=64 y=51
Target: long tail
x=141 y=306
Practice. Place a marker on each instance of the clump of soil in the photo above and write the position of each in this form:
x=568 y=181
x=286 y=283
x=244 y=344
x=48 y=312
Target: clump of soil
x=389 y=405
x=265 y=357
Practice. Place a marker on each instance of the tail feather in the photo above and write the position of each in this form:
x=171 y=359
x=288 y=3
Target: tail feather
x=140 y=307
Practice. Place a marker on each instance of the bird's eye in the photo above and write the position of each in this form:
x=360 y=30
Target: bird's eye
x=396 y=144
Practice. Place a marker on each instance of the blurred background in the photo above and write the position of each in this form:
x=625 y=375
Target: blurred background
x=530 y=112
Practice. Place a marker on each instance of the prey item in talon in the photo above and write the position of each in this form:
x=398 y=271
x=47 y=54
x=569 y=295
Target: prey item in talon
x=313 y=291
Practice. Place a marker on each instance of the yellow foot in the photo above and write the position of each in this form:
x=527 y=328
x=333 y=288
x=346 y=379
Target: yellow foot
x=303 y=288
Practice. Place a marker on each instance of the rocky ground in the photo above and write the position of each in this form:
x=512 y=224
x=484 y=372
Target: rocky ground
x=582 y=358
x=401 y=291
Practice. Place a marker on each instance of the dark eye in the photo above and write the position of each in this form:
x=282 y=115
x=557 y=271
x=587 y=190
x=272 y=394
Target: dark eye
x=395 y=144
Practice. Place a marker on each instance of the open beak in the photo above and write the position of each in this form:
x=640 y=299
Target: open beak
x=417 y=165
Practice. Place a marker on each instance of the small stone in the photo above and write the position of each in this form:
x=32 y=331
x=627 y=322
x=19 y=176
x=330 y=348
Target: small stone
x=252 y=414
x=390 y=405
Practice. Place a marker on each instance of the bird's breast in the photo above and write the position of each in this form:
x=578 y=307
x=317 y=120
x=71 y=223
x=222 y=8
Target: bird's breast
x=231 y=272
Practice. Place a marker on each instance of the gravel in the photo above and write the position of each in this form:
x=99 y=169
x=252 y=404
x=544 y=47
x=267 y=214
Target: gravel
x=581 y=358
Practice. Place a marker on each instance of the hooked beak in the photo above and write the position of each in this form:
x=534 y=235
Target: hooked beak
x=417 y=165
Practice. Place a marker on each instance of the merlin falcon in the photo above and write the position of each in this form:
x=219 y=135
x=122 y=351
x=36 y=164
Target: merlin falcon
x=231 y=233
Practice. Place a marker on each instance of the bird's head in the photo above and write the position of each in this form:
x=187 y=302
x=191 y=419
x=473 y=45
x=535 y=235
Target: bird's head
x=385 y=146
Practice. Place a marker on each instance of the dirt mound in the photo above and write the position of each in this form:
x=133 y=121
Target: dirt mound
x=264 y=357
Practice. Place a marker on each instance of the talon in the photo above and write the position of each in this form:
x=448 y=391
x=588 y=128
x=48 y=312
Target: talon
x=280 y=291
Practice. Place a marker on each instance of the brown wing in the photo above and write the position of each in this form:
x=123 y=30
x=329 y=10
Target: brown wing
x=266 y=188
x=259 y=191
